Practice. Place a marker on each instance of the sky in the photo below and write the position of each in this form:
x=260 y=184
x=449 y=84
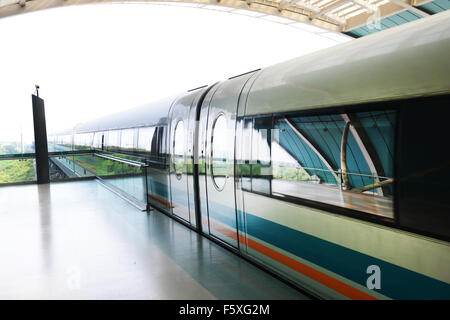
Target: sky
x=93 y=60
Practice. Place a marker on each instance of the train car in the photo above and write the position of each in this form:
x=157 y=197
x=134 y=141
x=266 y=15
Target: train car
x=330 y=170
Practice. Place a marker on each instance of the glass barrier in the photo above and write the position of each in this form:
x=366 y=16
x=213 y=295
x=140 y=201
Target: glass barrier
x=69 y=167
x=119 y=172
x=126 y=175
x=123 y=173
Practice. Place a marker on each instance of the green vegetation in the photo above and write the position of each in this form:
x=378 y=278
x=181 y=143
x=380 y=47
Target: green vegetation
x=290 y=173
x=14 y=148
x=15 y=170
x=278 y=172
x=105 y=167
x=9 y=149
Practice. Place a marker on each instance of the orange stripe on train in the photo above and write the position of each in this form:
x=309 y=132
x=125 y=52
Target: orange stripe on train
x=312 y=273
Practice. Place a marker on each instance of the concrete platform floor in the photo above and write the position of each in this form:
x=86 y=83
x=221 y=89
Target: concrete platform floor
x=78 y=240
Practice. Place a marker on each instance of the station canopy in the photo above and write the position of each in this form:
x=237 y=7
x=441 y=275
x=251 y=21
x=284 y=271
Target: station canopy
x=355 y=18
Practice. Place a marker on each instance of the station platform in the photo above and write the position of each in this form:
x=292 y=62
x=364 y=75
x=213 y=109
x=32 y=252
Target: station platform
x=78 y=240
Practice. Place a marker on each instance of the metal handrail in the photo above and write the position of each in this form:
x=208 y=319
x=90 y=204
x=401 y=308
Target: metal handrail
x=126 y=161
x=17 y=156
x=349 y=173
x=32 y=155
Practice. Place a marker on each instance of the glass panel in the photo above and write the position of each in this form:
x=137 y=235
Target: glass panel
x=424 y=174
x=98 y=137
x=16 y=128
x=128 y=178
x=69 y=167
x=113 y=140
x=261 y=150
x=158 y=186
x=127 y=140
x=78 y=141
x=162 y=141
x=51 y=143
x=84 y=165
x=62 y=143
x=342 y=159
x=245 y=166
x=145 y=139
x=83 y=141
x=220 y=146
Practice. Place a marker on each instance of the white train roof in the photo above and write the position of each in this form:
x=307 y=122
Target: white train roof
x=151 y=114
x=407 y=61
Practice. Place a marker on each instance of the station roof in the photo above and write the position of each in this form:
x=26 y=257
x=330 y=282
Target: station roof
x=355 y=18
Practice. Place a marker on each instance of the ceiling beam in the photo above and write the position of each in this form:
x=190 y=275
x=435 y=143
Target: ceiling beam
x=366 y=5
x=298 y=10
x=330 y=7
x=298 y=3
x=313 y=11
x=385 y=10
x=410 y=7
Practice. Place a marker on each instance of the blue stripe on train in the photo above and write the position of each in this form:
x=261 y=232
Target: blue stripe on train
x=396 y=282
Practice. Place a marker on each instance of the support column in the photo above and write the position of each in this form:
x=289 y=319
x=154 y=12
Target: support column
x=40 y=140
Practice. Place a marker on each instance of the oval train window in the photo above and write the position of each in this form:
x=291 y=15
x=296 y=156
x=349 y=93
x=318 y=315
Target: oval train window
x=178 y=149
x=220 y=144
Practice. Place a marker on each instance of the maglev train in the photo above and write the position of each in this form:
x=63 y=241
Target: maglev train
x=330 y=170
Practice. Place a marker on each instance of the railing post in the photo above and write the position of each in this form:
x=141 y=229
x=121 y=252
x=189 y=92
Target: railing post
x=145 y=171
x=40 y=140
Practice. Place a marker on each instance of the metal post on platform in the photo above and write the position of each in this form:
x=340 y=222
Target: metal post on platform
x=40 y=139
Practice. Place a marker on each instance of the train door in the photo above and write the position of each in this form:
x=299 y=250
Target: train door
x=182 y=130
x=219 y=111
x=179 y=189
x=192 y=124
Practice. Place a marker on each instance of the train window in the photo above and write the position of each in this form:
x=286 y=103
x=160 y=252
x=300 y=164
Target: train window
x=156 y=142
x=89 y=140
x=179 y=144
x=67 y=142
x=145 y=138
x=76 y=141
x=64 y=143
x=98 y=140
x=261 y=152
x=162 y=140
x=83 y=141
x=245 y=167
x=113 y=140
x=424 y=174
x=220 y=148
x=344 y=159
x=127 y=140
